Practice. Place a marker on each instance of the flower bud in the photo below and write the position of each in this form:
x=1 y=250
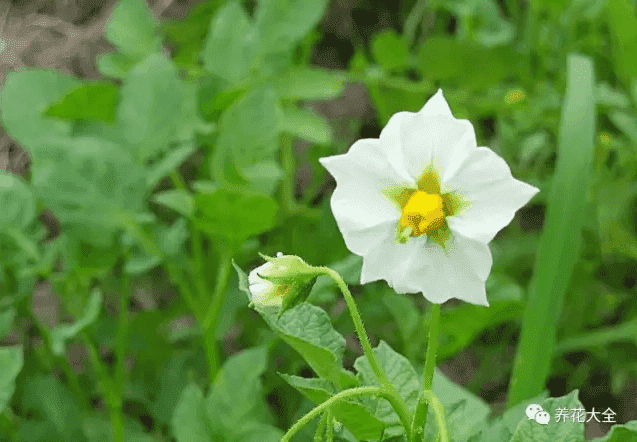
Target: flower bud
x=281 y=283
x=266 y=294
x=286 y=269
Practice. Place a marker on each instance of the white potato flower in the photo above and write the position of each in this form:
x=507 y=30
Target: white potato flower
x=421 y=203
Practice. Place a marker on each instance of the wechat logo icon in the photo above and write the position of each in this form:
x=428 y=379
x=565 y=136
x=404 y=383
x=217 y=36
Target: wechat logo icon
x=535 y=412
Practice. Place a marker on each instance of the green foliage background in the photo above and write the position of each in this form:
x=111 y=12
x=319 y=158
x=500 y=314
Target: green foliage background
x=176 y=162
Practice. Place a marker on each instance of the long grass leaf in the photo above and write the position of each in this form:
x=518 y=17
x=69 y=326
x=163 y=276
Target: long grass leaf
x=559 y=245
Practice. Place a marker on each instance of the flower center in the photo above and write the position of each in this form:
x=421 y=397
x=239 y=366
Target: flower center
x=424 y=213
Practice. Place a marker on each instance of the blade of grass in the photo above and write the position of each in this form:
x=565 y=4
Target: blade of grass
x=600 y=337
x=560 y=242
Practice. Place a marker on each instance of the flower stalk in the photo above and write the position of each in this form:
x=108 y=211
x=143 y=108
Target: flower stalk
x=396 y=401
x=420 y=419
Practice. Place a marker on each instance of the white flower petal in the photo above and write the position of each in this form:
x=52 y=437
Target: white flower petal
x=420 y=140
x=436 y=105
x=391 y=261
x=259 y=288
x=494 y=195
x=361 y=209
x=459 y=271
x=363 y=241
x=253 y=277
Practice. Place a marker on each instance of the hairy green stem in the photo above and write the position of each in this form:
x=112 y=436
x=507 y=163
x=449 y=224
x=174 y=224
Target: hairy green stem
x=399 y=404
x=428 y=371
x=439 y=411
x=346 y=394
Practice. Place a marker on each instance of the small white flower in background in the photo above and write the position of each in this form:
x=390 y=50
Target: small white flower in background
x=266 y=294
x=421 y=203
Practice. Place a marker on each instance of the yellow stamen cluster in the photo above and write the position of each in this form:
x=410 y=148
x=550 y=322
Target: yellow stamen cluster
x=424 y=213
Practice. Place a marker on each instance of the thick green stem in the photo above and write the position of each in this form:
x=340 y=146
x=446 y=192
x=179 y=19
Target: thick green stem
x=439 y=411
x=399 y=404
x=428 y=371
x=352 y=392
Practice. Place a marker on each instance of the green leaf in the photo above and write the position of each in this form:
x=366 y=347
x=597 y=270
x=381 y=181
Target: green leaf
x=7 y=314
x=308 y=330
x=464 y=323
x=482 y=20
x=465 y=411
x=282 y=23
x=88 y=183
x=53 y=403
x=401 y=374
x=179 y=200
x=248 y=136
x=62 y=333
x=354 y=416
x=395 y=94
x=257 y=432
x=623 y=26
x=607 y=96
x=620 y=433
x=236 y=397
x=131 y=28
x=190 y=421
x=496 y=64
x=569 y=431
x=151 y=97
x=626 y=123
x=114 y=64
x=233 y=214
x=306 y=124
x=11 y=361
x=232 y=44
x=405 y=313
x=190 y=121
x=17 y=201
x=189 y=34
x=309 y=83
x=90 y=101
x=389 y=50
x=559 y=246
x=514 y=415
x=25 y=95
x=98 y=429
x=173 y=159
